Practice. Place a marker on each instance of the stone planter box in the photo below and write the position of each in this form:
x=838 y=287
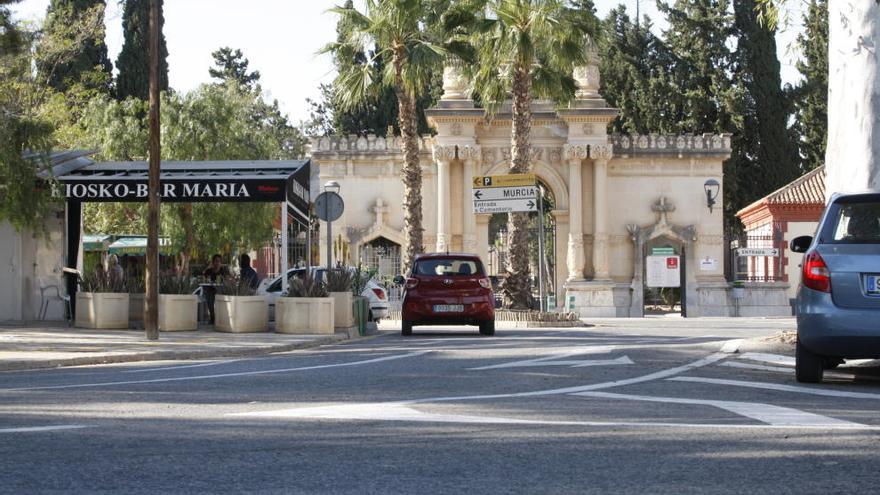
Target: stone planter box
x=342 y=309
x=102 y=310
x=241 y=314
x=136 y=307
x=304 y=315
x=178 y=312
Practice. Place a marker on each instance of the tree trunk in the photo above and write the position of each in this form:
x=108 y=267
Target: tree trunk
x=185 y=214
x=151 y=299
x=853 y=155
x=412 y=169
x=517 y=285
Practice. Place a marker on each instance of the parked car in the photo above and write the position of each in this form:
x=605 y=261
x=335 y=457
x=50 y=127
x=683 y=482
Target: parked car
x=447 y=289
x=838 y=300
x=374 y=292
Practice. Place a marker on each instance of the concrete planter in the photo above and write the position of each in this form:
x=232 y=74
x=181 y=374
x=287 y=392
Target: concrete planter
x=178 y=312
x=304 y=315
x=241 y=314
x=342 y=309
x=102 y=310
x=136 y=307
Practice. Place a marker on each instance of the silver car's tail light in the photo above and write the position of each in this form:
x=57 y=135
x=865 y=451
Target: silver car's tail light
x=379 y=293
x=816 y=275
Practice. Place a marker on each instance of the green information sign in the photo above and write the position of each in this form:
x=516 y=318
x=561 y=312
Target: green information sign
x=661 y=251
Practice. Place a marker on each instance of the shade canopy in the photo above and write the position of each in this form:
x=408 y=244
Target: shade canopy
x=137 y=245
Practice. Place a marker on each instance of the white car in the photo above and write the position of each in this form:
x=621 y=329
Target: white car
x=375 y=293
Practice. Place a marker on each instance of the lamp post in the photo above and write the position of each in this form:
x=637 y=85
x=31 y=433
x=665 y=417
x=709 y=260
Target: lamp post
x=331 y=187
x=711 y=187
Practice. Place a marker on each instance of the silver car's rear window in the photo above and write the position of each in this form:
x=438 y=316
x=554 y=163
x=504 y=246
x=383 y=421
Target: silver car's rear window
x=857 y=223
x=448 y=267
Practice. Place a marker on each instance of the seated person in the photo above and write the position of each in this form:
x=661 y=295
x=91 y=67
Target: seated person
x=248 y=274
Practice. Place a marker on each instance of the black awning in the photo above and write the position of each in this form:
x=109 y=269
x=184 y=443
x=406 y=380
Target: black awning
x=190 y=182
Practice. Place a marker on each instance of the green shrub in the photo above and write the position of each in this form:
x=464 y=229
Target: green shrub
x=308 y=286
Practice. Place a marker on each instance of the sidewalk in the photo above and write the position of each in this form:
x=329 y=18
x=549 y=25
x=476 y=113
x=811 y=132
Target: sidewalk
x=28 y=346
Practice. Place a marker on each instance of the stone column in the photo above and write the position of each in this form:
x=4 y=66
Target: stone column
x=442 y=156
x=575 y=254
x=471 y=157
x=600 y=155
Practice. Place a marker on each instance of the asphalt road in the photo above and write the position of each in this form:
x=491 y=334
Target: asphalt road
x=652 y=409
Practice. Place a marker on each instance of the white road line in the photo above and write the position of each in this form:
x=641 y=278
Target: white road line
x=760 y=367
x=167 y=368
x=731 y=346
x=33 y=429
x=574 y=364
x=221 y=375
x=768 y=358
x=542 y=361
x=765 y=413
x=397 y=411
x=782 y=388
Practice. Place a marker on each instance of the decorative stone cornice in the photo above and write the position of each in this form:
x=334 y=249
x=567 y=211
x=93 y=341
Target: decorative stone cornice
x=601 y=151
x=704 y=144
x=370 y=143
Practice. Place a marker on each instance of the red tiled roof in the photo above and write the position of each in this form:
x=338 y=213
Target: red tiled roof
x=808 y=189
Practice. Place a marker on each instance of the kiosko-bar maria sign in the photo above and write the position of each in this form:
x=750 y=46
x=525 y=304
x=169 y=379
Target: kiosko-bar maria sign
x=185 y=191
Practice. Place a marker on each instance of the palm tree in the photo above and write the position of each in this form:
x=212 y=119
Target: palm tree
x=526 y=48
x=391 y=34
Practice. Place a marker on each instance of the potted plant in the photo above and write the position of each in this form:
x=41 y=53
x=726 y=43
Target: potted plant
x=339 y=283
x=238 y=310
x=305 y=309
x=101 y=303
x=178 y=306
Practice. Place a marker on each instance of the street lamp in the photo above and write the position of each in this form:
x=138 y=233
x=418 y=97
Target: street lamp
x=712 y=187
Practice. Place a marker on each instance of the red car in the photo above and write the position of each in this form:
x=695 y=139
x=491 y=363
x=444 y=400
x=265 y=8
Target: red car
x=447 y=289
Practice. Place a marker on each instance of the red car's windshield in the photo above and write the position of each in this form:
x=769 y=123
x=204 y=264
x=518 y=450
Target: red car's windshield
x=448 y=267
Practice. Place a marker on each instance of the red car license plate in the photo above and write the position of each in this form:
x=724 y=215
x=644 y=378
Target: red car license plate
x=872 y=285
x=448 y=308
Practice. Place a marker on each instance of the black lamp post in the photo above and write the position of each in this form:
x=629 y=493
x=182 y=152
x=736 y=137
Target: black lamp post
x=712 y=187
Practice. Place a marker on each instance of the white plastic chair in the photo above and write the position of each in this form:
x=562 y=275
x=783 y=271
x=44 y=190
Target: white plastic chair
x=52 y=292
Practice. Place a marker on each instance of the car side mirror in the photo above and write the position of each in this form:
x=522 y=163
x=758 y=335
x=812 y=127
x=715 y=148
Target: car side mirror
x=399 y=280
x=801 y=244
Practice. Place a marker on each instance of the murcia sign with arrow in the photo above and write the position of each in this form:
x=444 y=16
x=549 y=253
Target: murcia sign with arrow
x=505 y=193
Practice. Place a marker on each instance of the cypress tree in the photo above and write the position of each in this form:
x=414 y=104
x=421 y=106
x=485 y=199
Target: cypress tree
x=90 y=65
x=765 y=139
x=811 y=95
x=133 y=61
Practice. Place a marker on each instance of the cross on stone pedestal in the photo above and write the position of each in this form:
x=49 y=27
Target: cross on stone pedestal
x=663 y=207
x=380 y=209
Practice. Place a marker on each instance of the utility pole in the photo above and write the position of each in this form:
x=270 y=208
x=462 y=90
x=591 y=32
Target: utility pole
x=151 y=299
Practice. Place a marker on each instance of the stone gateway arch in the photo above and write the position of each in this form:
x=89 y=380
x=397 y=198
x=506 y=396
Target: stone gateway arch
x=605 y=189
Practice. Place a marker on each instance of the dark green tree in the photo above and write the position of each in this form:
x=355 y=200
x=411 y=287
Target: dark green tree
x=770 y=155
x=10 y=38
x=231 y=65
x=89 y=64
x=811 y=94
x=133 y=61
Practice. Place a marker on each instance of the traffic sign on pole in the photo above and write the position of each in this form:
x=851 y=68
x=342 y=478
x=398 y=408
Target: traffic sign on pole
x=769 y=252
x=509 y=180
x=502 y=193
x=506 y=206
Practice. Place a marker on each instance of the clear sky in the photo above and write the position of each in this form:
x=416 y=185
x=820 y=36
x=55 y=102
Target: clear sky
x=279 y=37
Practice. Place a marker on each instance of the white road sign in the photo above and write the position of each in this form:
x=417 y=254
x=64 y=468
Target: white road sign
x=505 y=205
x=497 y=193
x=757 y=252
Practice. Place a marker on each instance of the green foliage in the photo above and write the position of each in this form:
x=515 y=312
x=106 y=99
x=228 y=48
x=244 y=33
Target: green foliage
x=308 y=286
x=99 y=281
x=544 y=38
x=133 y=62
x=360 y=279
x=768 y=157
x=231 y=65
x=339 y=279
x=236 y=286
x=177 y=284
x=10 y=37
x=73 y=49
x=811 y=94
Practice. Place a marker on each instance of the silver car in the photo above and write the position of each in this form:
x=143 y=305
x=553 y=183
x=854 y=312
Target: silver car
x=838 y=301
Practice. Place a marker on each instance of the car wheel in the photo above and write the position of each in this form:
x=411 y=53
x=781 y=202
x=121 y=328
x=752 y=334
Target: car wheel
x=808 y=367
x=487 y=327
x=832 y=363
x=406 y=328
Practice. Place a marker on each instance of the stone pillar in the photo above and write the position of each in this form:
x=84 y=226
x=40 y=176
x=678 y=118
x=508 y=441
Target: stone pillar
x=442 y=156
x=600 y=154
x=575 y=254
x=482 y=242
x=471 y=157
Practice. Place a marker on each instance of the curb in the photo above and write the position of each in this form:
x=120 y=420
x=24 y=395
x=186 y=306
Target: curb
x=174 y=355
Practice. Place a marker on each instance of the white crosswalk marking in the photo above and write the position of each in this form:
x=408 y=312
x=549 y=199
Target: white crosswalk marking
x=775 y=386
x=558 y=359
